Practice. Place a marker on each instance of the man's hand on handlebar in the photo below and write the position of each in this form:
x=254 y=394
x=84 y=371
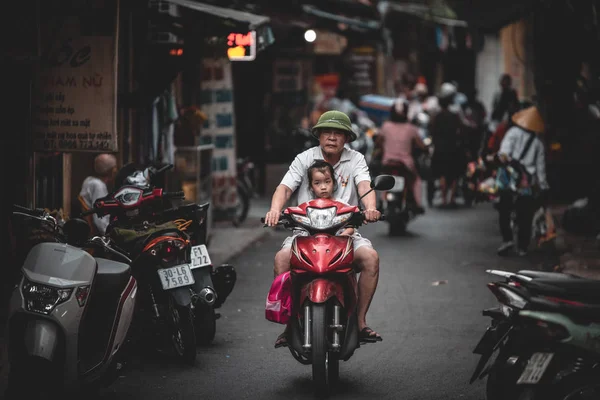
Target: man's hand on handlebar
x=272 y=217
x=372 y=215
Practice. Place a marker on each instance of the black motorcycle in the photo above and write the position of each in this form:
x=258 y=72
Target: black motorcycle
x=162 y=265
x=542 y=343
x=214 y=284
x=399 y=205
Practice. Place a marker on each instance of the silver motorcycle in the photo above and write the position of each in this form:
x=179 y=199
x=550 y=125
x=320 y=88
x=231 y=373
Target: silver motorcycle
x=69 y=316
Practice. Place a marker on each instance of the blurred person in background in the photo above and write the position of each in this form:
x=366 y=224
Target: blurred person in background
x=398 y=138
x=523 y=144
x=505 y=100
x=448 y=161
x=96 y=186
x=476 y=113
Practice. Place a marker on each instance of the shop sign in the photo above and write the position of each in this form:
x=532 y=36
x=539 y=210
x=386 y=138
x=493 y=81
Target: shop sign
x=74 y=89
x=241 y=46
x=329 y=43
x=362 y=64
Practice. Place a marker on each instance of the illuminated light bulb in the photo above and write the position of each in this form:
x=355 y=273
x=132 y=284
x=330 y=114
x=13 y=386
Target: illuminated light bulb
x=310 y=36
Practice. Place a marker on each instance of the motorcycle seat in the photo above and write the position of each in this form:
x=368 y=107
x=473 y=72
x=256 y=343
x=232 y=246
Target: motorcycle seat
x=565 y=286
x=112 y=276
x=547 y=275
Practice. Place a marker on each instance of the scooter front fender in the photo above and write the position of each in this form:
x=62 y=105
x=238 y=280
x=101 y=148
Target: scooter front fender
x=321 y=290
x=41 y=338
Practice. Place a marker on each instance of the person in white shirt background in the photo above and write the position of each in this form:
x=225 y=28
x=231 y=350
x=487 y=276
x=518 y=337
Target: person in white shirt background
x=96 y=186
x=532 y=156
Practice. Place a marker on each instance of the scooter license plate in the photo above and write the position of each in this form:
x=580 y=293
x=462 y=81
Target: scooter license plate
x=399 y=185
x=536 y=366
x=174 y=277
x=200 y=257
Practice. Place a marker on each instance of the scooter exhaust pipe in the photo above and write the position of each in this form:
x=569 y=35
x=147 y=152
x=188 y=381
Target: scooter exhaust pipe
x=208 y=296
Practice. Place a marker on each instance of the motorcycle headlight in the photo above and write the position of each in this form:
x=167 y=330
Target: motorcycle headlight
x=43 y=299
x=128 y=196
x=322 y=218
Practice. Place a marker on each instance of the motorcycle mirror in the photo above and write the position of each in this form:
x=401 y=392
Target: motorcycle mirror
x=383 y=182
x=76 y=231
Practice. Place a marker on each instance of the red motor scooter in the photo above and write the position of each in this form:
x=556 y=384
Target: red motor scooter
x=323 y=328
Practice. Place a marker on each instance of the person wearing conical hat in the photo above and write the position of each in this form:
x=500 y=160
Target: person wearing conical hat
x=522 y=143
x=333 y=130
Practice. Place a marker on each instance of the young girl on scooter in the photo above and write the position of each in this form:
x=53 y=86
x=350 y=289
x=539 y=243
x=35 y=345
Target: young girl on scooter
x=322 y=183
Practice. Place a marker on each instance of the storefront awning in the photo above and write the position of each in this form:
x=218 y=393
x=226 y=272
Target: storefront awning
x=351 y=22
x=438 y=12
x=251 y=21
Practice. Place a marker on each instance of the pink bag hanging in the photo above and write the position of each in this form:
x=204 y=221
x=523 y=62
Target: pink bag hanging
x=279 y=300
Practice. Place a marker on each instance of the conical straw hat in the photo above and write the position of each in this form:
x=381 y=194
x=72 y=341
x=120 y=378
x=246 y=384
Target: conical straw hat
x=529 y=119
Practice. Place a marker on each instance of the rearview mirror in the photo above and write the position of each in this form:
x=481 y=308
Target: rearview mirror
x=383 y=182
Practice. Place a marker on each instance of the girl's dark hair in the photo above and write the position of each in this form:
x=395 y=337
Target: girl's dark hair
x=397 y=117
x=322 y=166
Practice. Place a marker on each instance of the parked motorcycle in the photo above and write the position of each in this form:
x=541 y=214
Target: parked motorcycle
x=69 y=317
x=544 y=338
x=323 y=323
x=190 y=218
x=163 y=261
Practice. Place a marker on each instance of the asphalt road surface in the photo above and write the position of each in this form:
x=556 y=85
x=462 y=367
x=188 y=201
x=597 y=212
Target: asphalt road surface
x=429 y=330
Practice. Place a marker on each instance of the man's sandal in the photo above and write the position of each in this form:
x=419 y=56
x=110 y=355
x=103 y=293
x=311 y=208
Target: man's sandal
x=368 y=335
x=281 y=340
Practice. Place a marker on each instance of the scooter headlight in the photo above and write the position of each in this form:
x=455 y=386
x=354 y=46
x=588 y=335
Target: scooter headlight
x=41 y=298
x=322 y=218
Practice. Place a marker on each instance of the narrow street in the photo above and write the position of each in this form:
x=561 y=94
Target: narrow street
x=429 y=330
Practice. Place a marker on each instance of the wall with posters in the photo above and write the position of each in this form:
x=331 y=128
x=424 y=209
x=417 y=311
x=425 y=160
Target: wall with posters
x=219 y=129
x=74 y=88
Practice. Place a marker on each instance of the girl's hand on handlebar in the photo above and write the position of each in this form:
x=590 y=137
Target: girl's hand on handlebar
x=272 y=218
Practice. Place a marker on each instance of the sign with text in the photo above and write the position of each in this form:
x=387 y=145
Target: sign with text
x=241 y=46
x=74 y=89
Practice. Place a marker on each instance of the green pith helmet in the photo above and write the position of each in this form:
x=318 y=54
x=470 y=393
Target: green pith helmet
x=337 y=120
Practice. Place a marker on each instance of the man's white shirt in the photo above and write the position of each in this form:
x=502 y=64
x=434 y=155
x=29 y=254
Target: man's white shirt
x=349 y=172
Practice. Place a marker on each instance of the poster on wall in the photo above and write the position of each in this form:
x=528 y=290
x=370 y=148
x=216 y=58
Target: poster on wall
x=219 y=129
x=74 y=89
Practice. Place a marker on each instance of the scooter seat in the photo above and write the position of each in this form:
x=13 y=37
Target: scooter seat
x=548 y=275
x=112 y=276
x=565 y=286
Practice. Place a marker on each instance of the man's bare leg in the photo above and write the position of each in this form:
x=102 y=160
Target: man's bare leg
x=282 y=261
x=368 y=260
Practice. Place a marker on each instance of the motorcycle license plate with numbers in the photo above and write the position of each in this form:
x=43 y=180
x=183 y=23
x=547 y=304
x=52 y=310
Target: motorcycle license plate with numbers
x=536 y=366
x=174 y=277
x=200 y=257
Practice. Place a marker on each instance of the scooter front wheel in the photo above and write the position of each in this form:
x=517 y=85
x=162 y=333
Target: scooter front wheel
x=320 y=359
